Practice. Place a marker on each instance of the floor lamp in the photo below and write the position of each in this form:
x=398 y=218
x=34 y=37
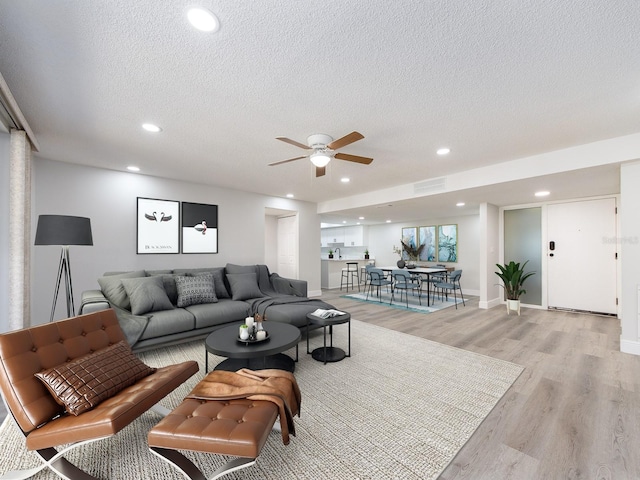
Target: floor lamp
x=63 y=230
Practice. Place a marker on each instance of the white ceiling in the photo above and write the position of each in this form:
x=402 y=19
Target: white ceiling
x=493 y=80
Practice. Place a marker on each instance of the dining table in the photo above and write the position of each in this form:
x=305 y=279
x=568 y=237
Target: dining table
x=422 y=271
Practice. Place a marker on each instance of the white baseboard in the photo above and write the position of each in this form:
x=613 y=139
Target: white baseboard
x=314 y=293
x=490 y=304
x=628 y=346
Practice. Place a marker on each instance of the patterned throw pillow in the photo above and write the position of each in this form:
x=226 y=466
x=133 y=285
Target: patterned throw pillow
x=195 y=290
x=83 y=383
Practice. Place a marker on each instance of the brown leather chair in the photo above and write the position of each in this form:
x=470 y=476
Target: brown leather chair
x=26 y=352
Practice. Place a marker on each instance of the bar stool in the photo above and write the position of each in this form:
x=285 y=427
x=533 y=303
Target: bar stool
x=348 y=274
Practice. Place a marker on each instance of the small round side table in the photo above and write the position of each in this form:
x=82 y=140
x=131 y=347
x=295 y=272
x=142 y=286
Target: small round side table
x=329 y=353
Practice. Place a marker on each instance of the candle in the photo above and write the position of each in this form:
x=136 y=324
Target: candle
x=249 y=322
x=261 y=334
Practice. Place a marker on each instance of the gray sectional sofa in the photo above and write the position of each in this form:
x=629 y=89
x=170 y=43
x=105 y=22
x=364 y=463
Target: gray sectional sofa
x=161 y=307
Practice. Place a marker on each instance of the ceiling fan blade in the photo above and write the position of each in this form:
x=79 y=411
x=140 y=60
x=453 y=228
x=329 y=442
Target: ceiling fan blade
x=285 y=161
x=320 y=171
x=353 y=158
x=346 y=140
x=293 y=142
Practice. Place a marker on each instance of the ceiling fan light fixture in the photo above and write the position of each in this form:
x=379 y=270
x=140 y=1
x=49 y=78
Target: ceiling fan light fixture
x=320 y=159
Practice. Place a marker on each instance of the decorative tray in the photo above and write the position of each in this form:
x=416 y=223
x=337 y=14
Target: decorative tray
x=248 y=341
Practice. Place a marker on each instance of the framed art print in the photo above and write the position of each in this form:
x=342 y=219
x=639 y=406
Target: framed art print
x=409 y=238
x=158 y=226
x=427 y=237
x=199 y=228
x=447 y=243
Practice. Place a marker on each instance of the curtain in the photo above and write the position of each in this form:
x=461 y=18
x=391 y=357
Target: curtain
x=19 y=230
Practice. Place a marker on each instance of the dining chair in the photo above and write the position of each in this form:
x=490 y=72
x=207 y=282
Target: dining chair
x=452 y=285
x=364 y=273
x=377 y=279
x=434 y=278
x=404 y=281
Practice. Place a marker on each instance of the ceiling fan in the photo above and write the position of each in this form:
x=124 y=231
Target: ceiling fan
x=324 y=149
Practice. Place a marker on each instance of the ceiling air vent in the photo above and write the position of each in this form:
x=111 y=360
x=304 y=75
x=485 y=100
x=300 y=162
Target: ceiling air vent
x=433 y=185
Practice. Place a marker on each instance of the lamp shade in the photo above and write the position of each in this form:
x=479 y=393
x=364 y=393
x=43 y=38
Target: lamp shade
x=63 y=230
x=320 y=159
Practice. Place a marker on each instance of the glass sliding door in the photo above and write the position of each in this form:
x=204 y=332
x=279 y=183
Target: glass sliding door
x=522 y=242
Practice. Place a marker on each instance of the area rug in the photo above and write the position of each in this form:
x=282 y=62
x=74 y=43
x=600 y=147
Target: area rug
x=400 y=407
x=415 y=305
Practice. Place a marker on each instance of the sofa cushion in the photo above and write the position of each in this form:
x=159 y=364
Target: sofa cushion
x=83 y=383
x=112 y=288
x=195 y=290
x=146 y=294
x=168 y=322
x=244 y=286
x=225 y=311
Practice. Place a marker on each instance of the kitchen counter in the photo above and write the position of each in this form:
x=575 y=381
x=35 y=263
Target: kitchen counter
x=331 y=270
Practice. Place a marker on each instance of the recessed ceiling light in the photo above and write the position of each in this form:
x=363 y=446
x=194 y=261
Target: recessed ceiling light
x=344 y=221
x=460 y=204
x=360 y=218
x=203 y=19
x=345 y=180
x=443 y=151
x=133 y=168
x=289 y=195
x=150 y=127
x=542 y=193
x=388 y=221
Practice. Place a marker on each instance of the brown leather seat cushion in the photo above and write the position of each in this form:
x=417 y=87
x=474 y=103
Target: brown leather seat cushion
x=226 y=427
x=115 y=413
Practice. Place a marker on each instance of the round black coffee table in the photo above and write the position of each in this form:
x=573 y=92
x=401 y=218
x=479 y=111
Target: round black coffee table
x=328 y=354
x=255 y=356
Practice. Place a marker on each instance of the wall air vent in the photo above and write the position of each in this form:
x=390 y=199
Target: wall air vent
x=434 y=185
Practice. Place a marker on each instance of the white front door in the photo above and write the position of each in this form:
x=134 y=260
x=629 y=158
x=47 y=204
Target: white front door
x=581 y=256
x=288 y=247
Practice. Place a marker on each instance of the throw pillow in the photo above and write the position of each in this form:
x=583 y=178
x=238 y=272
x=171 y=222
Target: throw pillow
x=146 y=294
x=218 y=281
x=233 y=268
x=169 y=283
x=113 y=289
x=83 y=383
x=195 y=290
x=244 y=286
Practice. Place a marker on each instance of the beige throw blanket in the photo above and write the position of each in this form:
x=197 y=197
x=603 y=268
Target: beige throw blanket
x=277 y=386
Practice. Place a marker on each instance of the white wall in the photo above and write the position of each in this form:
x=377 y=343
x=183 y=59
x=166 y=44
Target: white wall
x=383 y=237
x=489 y=240
x=5 y=144
x=630 y=256
x=108 y=198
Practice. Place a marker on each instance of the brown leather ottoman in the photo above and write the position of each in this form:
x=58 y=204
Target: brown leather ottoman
x=226 y=427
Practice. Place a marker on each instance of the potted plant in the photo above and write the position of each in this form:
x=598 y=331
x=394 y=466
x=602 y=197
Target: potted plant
x=513 y=278
x=412 y=252
x=330 y=253
x=366 y=254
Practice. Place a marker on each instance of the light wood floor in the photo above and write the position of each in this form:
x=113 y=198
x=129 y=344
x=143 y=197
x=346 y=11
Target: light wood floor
x=574 y=413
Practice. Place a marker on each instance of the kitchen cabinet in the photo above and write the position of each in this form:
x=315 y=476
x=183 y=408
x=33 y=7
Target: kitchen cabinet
x=331 y=235
x=353 y=236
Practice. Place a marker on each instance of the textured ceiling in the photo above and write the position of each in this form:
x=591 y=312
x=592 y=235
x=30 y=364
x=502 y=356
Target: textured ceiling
x=492 y=80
